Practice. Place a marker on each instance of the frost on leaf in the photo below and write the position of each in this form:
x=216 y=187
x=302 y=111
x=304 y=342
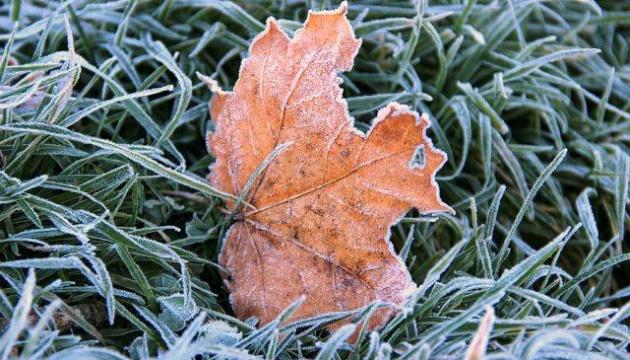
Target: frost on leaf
x=319 y=195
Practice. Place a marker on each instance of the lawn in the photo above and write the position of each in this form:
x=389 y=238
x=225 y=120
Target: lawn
x=110 y=232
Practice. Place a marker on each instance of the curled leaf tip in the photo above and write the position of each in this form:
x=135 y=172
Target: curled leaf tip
x=212 y=84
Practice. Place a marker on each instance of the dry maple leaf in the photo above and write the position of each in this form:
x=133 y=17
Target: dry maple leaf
x=321 y=195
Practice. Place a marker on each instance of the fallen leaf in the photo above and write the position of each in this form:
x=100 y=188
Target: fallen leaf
x=477 y=348
x=318 y=195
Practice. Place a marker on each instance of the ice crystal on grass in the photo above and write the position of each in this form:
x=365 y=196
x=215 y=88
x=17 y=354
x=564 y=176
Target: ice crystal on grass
x=103 y=196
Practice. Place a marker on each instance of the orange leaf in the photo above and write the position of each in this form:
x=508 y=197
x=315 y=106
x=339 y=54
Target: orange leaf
x=320 y=195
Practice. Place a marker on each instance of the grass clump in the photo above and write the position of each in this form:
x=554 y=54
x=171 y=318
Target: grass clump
x=109 y=233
